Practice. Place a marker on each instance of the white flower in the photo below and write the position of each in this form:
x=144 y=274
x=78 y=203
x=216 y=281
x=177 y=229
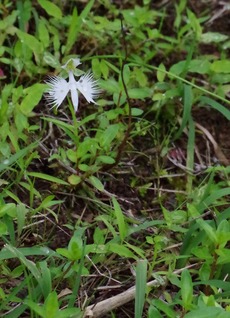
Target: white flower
x=59 y=87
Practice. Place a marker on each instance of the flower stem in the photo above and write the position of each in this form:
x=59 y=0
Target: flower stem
x=73 y=114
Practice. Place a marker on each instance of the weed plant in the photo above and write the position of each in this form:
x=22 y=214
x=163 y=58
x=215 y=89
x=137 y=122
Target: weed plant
x=126 y=196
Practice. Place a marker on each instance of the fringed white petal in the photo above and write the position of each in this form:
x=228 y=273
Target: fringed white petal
x=88 y=87
x=58 y=90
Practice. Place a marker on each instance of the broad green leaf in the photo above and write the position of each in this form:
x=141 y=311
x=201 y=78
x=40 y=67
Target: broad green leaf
x=161 y=73
x=206 y=312
x=45 y=282
x=140 y=77
x=9 y=209
x=121 y=250
x=74 y=180
x=154 y=313
x=222 y=66
x=98 y=236
x=213 y=37
x=47 y=177
x=186 y=289
x=75 y=251
x=21 y=121
x=51 y=8
x=51 y=306
x=84 y=167
x=195 y=66
x=136 y=111
x=3 y=229
x=30 y=41
x=205 y=270
x=96 y=183
x=140 y=93
x=89 y=145
x=199 y=66
x=224 y=256
x=109 y=135
x=75 y=248
x=96 y=67
x=126 y=74
x=208 y=230
x=21 y=212
x=221 y=78
x=223 y=238
x=64 y=252
x=110 y=85
x=8 y=20
x=96 y=248
x=223 y=227
x=33 y=96
x=51 y=60
x=202 y=252
x=105 y=159
x=159 y=96
x=72 y=155
x=104 y=69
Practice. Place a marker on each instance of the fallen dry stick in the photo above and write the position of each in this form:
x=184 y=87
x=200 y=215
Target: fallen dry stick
x=218 y=152
x=101 y=308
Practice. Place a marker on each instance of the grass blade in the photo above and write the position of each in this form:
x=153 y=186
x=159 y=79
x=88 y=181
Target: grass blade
x=190 y=154
x=47 y=177
x=223 y=110
x=141 y=280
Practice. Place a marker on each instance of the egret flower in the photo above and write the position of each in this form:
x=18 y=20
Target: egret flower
x=59 y=87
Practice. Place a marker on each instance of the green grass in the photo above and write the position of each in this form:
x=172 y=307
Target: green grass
x=129 y=197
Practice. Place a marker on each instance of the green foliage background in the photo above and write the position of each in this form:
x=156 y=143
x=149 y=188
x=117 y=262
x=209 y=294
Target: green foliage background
x=82 y=202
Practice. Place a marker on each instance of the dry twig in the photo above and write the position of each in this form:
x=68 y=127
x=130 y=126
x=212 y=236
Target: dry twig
x=101 y=308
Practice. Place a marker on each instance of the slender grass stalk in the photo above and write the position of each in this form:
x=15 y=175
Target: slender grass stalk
x=190 y=154
x=141 y=281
